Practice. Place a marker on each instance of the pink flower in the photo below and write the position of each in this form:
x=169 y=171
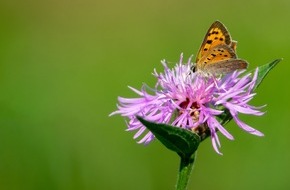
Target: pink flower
x=189 y=100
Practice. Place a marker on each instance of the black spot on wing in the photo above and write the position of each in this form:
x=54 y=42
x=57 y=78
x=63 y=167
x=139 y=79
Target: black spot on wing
x=209 y=41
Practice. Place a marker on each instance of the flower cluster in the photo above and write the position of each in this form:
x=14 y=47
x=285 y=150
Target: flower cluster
x=190 y=100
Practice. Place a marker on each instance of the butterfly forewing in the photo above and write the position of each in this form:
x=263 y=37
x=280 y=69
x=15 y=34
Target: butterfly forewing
x=214 y=55
x=217 y=34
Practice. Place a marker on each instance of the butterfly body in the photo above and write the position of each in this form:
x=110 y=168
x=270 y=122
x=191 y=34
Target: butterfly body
x=217 y=54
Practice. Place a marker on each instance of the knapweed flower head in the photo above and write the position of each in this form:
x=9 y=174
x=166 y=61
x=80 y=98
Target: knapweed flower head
x=191 y=100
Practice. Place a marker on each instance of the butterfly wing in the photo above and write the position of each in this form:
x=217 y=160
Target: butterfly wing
x=234 y=45
x=221 y=59
x=226 y=66
x=216 y=35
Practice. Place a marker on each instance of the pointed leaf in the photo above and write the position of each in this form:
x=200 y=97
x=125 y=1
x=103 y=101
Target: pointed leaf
x=264 y=70
x=179 y=140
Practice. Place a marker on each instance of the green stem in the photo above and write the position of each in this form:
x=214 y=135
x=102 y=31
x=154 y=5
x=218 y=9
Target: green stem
x=185 y=168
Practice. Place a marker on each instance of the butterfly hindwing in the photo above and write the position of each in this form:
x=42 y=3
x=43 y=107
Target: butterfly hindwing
x=226 y=66
x=234 y=45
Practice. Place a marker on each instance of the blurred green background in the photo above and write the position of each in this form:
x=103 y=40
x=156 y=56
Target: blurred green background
x=64 y=63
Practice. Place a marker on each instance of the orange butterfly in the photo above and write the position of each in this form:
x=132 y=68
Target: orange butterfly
x=217 y=54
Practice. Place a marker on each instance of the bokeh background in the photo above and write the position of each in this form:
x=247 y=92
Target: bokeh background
x=63 y=63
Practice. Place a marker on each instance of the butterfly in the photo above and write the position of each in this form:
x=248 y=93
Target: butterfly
x=217 y=54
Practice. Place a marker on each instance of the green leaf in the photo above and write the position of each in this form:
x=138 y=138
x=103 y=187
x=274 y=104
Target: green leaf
x=264 y=70
x=179 y=140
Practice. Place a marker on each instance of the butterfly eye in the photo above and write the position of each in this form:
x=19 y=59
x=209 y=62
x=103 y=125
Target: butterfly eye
x=193 y=68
